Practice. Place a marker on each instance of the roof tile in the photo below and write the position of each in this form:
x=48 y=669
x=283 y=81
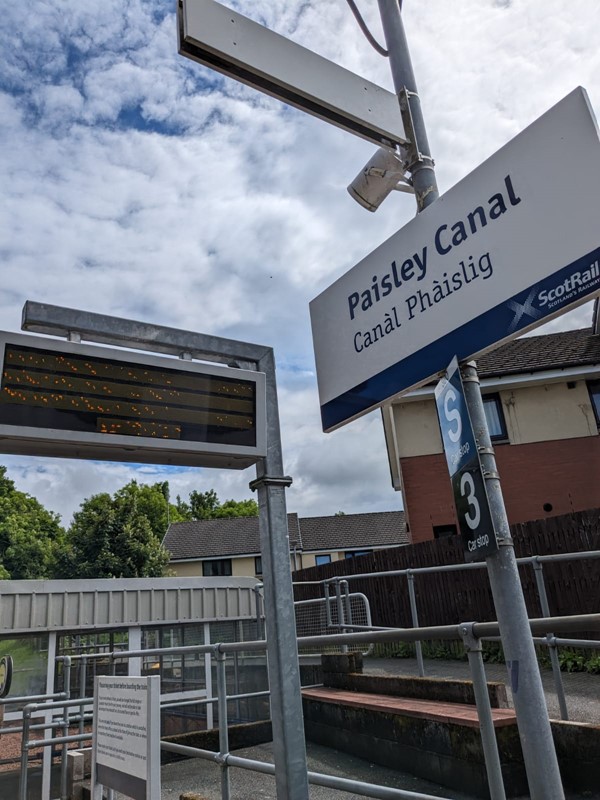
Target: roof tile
x=235 y=536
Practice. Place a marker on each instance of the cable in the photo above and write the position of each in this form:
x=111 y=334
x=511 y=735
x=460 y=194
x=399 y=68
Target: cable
x=362 y=25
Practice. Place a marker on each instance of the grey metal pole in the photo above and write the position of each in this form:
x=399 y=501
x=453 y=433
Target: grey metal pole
x=65 y=748
x=24 y=753
x=289 y=748
x=538 y=571
x=415 y=620
x=535 y=733
x=223 y=724
x=484 y=712
x=530 y=706
x=420 y=164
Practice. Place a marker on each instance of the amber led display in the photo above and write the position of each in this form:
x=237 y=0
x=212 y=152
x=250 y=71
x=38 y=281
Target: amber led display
x=80 y=393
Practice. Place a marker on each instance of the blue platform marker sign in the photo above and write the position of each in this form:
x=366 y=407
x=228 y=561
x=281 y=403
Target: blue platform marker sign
x=464 y=466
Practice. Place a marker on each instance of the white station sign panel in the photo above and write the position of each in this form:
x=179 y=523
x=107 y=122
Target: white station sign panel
x=512 y=245
x=216 y=36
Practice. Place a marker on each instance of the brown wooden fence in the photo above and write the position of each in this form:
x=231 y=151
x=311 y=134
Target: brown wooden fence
x=573 y=587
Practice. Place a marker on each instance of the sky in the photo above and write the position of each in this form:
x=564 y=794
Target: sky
x=137 y=183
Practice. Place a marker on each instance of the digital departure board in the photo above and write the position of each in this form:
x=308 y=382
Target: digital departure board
x=81 y=401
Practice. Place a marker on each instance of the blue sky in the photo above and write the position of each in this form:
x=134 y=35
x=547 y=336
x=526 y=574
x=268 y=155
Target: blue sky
x=137 y=183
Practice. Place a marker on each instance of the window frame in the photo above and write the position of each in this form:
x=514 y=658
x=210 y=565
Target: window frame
x=322 y=556
x=357 y=553
x=494 y=399
x=445 y=531
x=219 y=574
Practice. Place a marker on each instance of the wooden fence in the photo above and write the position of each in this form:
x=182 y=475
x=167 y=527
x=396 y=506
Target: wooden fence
x=573 y=587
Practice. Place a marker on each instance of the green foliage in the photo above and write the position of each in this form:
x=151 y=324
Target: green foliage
x=206 y=505
x=593 y=665
x=571 y=661
x=120 y=536
x=236 y=508
x=110 y=536
x=492 y=652
x=31 y=537
x=203 y=504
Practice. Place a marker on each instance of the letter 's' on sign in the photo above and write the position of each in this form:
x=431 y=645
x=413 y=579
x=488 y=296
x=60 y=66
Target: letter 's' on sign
x=80 y=401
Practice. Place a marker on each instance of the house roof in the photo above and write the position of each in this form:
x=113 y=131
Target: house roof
x=236 y=536
x=578 y=348
x=348 y=531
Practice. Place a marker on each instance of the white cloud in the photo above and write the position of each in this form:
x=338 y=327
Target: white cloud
x=140 y=184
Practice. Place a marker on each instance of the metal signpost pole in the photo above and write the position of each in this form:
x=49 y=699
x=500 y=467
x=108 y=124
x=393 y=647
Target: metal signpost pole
x=530 y=705
x=539 y=754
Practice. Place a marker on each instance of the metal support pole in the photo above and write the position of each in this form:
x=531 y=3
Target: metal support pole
x=289 y=748
x=419 y=162
x=528 y=694
x=223 y=724
x=484 y=712
x=538 y=571
x=260 y=634
x=340 y=611
x=82 y=682
x=24 y=753
x=326 y=588
x=415 y=620
x=64 y=764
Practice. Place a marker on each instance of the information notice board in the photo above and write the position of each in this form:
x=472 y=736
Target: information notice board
x=126 y=748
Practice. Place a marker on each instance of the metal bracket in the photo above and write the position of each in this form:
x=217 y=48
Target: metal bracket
x=411 y=148
x=491 y=474
x=269 y=480
x=471 y=642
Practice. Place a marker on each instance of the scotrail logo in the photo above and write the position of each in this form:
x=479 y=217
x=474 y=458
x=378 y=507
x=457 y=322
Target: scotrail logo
x=569 y=287
x=537 y=304
x=525 y=309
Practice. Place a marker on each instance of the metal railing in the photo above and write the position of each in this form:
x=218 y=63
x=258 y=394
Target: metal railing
x=470 y=633
x=337 y=586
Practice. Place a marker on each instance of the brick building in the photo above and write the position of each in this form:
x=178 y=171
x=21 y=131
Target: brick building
x=542 y=402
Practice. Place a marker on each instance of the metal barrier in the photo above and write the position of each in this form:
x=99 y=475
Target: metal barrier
x=470 y=633
x=344 y=612
x=536 y=562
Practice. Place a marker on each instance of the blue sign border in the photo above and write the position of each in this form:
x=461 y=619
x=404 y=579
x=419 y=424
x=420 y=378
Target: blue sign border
x=502 y=322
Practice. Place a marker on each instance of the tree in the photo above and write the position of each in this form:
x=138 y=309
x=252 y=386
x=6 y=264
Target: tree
x=120 y=536
x=203 y=504
x=31 y=537
x=206 y=505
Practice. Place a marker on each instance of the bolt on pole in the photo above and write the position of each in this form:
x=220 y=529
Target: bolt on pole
x=528 y=695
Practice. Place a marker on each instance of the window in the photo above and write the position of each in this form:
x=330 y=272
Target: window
x=322 y=559
x=213 y=569
x=441 y=531
x=495 y=417
x=355 y=553
x=594 y=387
x=257 y=565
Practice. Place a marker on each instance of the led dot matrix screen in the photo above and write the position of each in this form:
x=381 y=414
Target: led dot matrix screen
x=88 y=391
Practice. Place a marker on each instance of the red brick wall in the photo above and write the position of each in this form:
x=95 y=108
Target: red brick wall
x=564 y=473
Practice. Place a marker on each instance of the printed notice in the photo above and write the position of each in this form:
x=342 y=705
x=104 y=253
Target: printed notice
x=127 y=734
x=122 y=725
